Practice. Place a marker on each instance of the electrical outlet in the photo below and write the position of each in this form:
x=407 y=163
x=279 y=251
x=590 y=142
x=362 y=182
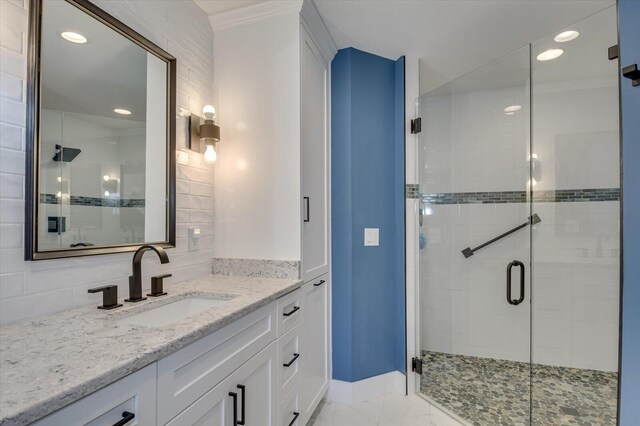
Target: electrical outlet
x=194 y=239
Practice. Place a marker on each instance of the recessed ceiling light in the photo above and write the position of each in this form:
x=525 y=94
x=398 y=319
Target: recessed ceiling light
x=122 y=111
x=550 y=54
x=510 y=110
x=73 y=37
x=566 y=36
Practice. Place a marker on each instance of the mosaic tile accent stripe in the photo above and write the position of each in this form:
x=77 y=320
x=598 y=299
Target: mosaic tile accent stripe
x=494 y=392
x=503 y=197
x=75 y=200
x=412 y=191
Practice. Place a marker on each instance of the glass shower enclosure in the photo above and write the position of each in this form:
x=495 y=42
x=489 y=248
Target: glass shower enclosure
x=519 y=235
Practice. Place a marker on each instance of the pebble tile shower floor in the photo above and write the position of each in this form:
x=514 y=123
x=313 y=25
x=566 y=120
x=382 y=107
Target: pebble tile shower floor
x=492 y=392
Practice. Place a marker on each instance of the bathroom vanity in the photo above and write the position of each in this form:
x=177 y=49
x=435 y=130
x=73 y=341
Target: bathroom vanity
x=258 y=355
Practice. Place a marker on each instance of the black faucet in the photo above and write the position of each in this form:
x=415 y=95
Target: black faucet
x=135 y=280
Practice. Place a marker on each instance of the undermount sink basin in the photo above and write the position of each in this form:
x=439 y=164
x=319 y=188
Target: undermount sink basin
x=172 y=313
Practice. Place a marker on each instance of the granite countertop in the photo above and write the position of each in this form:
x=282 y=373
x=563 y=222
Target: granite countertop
x=49 y=362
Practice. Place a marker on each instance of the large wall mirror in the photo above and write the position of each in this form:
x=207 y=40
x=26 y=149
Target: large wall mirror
x=101 y=135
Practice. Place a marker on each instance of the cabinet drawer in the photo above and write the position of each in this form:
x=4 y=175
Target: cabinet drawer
x=186 y=375
x=135 y=394
x=289 y=311
x=289 y=413
x=289 y=359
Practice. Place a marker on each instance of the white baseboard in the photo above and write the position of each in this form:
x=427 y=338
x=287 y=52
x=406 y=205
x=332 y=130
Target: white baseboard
x=367 y=389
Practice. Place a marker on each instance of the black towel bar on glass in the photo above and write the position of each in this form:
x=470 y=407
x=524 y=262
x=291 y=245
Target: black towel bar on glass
x=468 y=252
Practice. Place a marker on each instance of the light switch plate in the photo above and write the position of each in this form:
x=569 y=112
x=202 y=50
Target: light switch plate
x=371 y=236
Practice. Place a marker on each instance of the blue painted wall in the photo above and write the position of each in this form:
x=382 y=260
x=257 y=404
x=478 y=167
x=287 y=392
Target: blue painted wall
x=629 y=22
x=367 y=192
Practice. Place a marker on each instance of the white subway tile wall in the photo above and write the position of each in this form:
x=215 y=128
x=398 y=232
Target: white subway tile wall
x=28 y=289
x=469 y=145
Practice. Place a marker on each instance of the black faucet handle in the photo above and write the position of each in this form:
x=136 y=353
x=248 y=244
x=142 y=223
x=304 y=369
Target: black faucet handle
x=157 y=284
x=109 y=296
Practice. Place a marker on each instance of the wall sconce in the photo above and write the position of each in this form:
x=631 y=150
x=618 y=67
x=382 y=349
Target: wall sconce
x=207 y=133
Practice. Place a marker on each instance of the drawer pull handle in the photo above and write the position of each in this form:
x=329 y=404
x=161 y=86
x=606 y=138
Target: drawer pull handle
x=319 y=283
x=242 y=401
x=295 y=417
x=127 y=416
x=293 y=311
x=307 y=209
x=290 y=363
x=234 y=396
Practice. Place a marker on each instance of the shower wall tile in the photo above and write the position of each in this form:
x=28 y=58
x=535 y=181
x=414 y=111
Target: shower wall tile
x=51 y=286
x=468 y=144
x=475 y=174
x=575 y=288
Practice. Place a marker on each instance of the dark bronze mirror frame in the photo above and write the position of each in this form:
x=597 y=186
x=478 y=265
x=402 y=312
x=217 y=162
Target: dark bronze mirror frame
x=33 y=135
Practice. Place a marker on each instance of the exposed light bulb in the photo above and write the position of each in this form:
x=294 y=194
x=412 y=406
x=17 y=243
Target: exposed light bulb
x=209 y=112
x=59 y=194
x=106 y=178
x=59 y=178
x=106 y=193
x=210 y=154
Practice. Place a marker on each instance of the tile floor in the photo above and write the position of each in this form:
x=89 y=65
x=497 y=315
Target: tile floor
x=492 y=392
x=390 y=410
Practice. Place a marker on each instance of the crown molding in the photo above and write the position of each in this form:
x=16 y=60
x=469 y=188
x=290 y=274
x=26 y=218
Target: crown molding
x=253 y=13
x=318 y=30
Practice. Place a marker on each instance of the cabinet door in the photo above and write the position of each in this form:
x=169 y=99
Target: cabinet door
x=315 y=158
x=315 y=344
x=248 y=394
x=213 y=409
x=259 y=378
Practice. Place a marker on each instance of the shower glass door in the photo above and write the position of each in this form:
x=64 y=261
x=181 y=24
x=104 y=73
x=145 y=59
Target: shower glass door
x=475 y=244
x=575 y=249
x=519 y=235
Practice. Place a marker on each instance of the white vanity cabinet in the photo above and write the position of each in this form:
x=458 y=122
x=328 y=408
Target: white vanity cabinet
x=315 y=148
x=315 y=344
x=315 y=128
x=132 y=397
x=267 y=368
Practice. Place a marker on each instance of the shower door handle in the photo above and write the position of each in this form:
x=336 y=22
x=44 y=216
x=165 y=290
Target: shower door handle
x=509 y=268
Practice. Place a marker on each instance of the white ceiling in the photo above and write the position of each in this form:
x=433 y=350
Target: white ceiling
x=450 y=37
x=213 y=7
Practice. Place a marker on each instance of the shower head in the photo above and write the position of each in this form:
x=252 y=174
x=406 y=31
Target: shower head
x=65 y=154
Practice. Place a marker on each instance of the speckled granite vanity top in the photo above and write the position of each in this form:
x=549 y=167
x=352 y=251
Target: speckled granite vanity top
x=49 y=362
